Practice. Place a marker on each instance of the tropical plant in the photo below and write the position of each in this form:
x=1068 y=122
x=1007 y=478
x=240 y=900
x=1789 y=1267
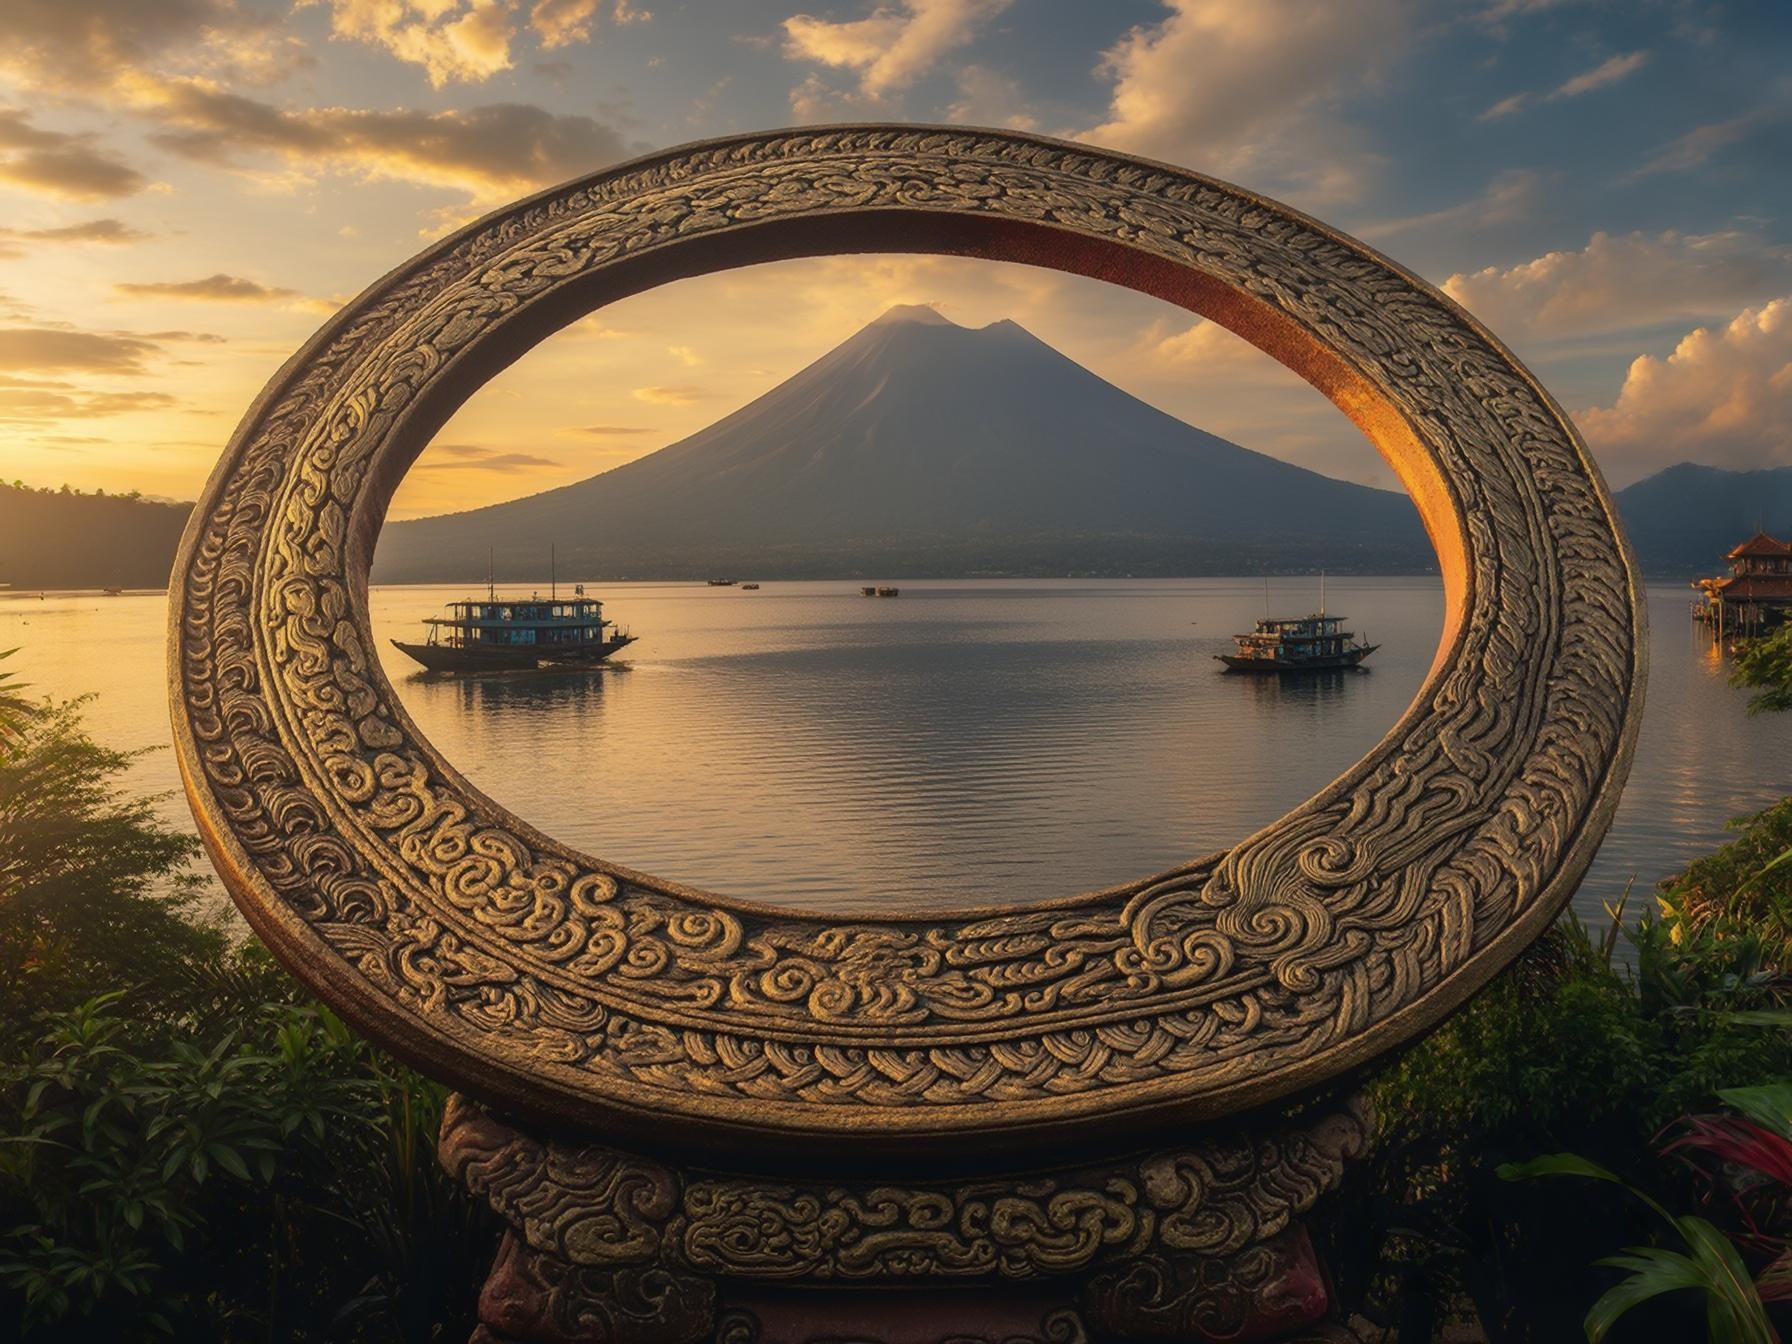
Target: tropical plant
x=189 y=1147
x=1765 y=664
x=1753 y=1145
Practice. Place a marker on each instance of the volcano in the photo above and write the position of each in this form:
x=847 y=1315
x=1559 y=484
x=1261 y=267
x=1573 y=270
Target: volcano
x=922 y=447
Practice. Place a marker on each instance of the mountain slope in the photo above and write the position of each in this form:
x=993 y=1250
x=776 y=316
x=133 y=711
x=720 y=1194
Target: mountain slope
x=1682 y=520
x=912 y=434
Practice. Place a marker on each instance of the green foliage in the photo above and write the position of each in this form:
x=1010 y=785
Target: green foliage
x=94 y=890
x=1576 y=1051
x=1710 y=1265
x=1765 y=664
x=196 y=1151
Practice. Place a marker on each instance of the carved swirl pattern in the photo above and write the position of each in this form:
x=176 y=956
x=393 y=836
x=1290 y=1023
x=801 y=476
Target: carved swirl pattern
x=590 y=1205
x=534 y=975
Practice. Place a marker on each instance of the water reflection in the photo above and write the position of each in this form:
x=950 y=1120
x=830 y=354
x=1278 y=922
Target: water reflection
x=967 y=742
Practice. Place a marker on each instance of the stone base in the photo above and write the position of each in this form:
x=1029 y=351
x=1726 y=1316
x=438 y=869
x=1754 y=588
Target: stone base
x=1203 y=1242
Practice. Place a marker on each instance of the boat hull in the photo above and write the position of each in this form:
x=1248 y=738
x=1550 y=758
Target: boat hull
x=1327 y=663
x=452 y=658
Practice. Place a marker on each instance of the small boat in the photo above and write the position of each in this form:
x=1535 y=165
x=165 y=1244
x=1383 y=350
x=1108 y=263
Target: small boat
x=505 y=634
x=113 y=592
x=868 y=591
x=1314 y=643
x=889 y=592
x=721 y=583
x=749 y=587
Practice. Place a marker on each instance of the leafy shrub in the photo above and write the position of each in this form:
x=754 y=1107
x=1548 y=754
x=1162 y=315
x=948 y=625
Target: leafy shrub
x=1570 y=1051
x=197 y=1151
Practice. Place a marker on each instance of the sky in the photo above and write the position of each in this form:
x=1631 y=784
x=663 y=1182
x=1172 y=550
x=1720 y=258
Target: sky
x=189 y=187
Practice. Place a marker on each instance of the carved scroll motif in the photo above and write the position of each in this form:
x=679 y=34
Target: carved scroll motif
x=534 y=975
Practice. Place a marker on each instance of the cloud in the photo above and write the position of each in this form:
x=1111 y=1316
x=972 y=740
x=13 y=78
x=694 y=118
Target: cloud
x=1505 y=107
x=1254 y=89
x=22 y=406
x=1208 y=347
x=450 y=39
x=893 y=47
x=609 y=431
x=62 y=350
x=1701 y=143
x=1724 y=396
x=1600 y=76
x=472 y=456
x=219 y=288
x=13 y=242
x=58 y=163
x=560 y=23
x=83 y=44
x=988 y=98
x=681 y=395
x=491 y=151
x=1624 y=281
x=88 y=231
x=1512 y=195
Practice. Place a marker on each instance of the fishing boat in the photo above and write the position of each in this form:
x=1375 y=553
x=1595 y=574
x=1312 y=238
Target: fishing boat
x=1313 y=643
x=749 y=587
x=721 y=583
x=507 y=634
x=889 y=592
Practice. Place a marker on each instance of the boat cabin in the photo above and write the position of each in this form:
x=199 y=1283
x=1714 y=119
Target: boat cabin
x=1294 y=638
x=511 y=624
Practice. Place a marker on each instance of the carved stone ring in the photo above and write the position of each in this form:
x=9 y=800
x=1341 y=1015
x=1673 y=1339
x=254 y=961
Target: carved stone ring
x=572 y=991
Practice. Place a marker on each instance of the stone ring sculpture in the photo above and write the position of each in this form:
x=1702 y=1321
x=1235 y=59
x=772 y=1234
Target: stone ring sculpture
x=579 y=994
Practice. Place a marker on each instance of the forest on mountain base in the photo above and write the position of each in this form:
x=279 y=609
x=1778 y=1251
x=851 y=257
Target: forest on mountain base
x=67 y=539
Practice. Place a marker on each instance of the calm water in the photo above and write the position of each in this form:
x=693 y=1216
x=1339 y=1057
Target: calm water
x=968 y=742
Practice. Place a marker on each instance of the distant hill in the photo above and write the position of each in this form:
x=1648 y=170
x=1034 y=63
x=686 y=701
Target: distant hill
x=916 y=449
x=64 y=539
x=921 y=447
x=1682 y=520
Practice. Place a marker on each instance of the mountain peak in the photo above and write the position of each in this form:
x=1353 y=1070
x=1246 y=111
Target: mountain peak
x=921 y=314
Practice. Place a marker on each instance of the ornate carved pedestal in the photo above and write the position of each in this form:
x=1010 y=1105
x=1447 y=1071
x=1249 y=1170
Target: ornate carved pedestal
x=591 y=1000
x=1200 y=1242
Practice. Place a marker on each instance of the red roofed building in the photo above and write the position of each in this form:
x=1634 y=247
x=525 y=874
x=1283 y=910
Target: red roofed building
x=1756 y=593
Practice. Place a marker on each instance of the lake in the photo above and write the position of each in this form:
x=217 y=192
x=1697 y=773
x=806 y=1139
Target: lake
x=968 y=742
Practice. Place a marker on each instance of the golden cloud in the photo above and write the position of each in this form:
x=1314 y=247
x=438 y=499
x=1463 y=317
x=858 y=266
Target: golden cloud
x=1723 y=396
x=218 y=288
x=58 y=163
x=681 y=395
x=450 y=39
x=1620 y=281
x=62 y=350
x=472 y=456
x=895 y=45
x=1252 y=89
x=88 y=231
x=494 y=150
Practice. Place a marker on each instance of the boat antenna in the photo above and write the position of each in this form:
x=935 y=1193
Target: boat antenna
x=491 y=592
x=553 y=577
x=1322 y=592
x=1266 y=597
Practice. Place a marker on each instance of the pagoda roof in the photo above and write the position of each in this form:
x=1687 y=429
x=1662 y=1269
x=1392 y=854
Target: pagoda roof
x=1761 y=545
x=1755 y=588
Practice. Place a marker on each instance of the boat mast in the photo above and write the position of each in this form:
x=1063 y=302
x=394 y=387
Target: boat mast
x=553 y=577
x=1322 y=592
x=491 y=593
